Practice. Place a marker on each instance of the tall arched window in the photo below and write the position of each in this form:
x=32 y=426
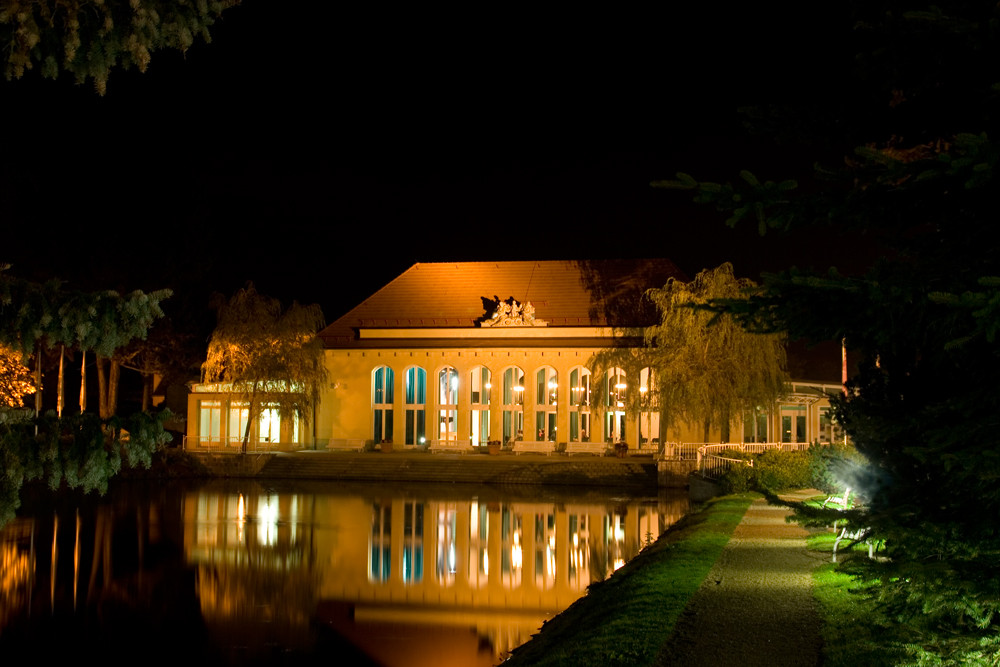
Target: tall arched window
x=649 y=415
x=415 y=393
x=479 y=397
x=546 y=390
x=513 y=404
x=448 y=404
x=579 y=405
x=382 y=383
x=614 y=403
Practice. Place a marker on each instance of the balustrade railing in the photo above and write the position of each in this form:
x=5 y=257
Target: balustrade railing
x=712 y=462
x=215 y=445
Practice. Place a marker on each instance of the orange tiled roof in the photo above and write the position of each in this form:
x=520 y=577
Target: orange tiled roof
x=461 y=294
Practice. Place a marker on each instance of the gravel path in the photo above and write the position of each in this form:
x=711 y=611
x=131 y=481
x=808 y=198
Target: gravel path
x=756 y=605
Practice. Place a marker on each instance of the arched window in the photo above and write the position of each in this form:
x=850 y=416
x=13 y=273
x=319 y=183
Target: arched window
x=448 y=404
x=649 y=415
x=382 y=383
x=546 y=391
x=614 y=403
x=579 y=404
x=513 y=404
x=479 y=397
x=415 y=394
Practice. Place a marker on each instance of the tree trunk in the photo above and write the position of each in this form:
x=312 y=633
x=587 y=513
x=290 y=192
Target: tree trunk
x=250 y=413
x=102 y=388
x=60 y=385
x=83 y=381
x=38 y=381
x=705 y=437
x=113 y=377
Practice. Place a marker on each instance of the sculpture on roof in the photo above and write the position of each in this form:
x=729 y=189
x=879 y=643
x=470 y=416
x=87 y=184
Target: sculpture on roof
x=511 y=313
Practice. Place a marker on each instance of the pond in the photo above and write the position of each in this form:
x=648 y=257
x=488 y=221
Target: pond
x=256 y=572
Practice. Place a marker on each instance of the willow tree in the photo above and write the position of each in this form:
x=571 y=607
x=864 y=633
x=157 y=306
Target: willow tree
x=708 y=368
x=266 y=356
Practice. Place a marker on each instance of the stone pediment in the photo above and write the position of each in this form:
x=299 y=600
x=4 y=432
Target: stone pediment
x=511 y=313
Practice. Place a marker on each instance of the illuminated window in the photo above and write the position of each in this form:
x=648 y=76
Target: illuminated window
x=755 y=426
x=415 y=392
x=579 y=408
x=210 y=421
x=448 y=404
x=513 y=404
x=382 y=383
x=479 y=396
x=239 y=415
x=649 y=415
x=793 y=423
x=269 y=426
x=615 y=387
x=546 y=392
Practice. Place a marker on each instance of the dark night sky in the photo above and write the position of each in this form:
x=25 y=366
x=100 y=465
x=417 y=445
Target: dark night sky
x=319 y=151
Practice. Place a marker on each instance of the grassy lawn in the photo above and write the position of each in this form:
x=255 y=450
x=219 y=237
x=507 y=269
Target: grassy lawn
x=626 y=619
x=853 y=633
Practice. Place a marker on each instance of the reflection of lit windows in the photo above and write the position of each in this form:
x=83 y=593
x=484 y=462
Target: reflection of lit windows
x=579 y=405
x=614 y=541
x=267 y=520
x=382 y=379
x=510 y=548
x=479 y=529
x=413 y=542
x=479 y=390
x=446 y=538
x=416 y=398
x=578 y=563
x=379 y=562
x=546 y=391
x=545 y=550
x=448 y=404
x=513 y=404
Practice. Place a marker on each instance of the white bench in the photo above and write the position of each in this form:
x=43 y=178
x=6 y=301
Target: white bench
x=455 y=446
x=596 y=448
x=345 y=445
x=531 y=446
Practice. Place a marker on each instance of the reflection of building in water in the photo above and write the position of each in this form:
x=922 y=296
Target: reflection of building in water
x=497 y=568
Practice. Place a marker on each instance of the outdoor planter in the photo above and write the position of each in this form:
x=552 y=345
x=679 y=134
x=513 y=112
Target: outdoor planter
x=621 y=449
x=386 y=445
x=493 y=447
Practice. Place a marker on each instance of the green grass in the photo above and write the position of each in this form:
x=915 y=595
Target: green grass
x=853 y=631
x=627 y=618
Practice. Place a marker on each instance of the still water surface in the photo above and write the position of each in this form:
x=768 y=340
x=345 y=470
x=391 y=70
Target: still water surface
x=249 y=573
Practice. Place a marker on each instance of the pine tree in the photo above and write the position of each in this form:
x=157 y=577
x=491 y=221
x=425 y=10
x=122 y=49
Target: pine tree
x=924 y=408
x=89 y=39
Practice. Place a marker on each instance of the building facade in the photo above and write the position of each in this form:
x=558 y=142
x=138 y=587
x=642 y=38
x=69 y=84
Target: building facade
x=454 y=356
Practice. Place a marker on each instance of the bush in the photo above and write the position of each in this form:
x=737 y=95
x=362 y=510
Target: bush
x=776 y=470
x=738 y=479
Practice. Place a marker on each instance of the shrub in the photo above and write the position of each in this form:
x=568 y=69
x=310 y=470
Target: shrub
x=776 y=470
x=738 y=479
